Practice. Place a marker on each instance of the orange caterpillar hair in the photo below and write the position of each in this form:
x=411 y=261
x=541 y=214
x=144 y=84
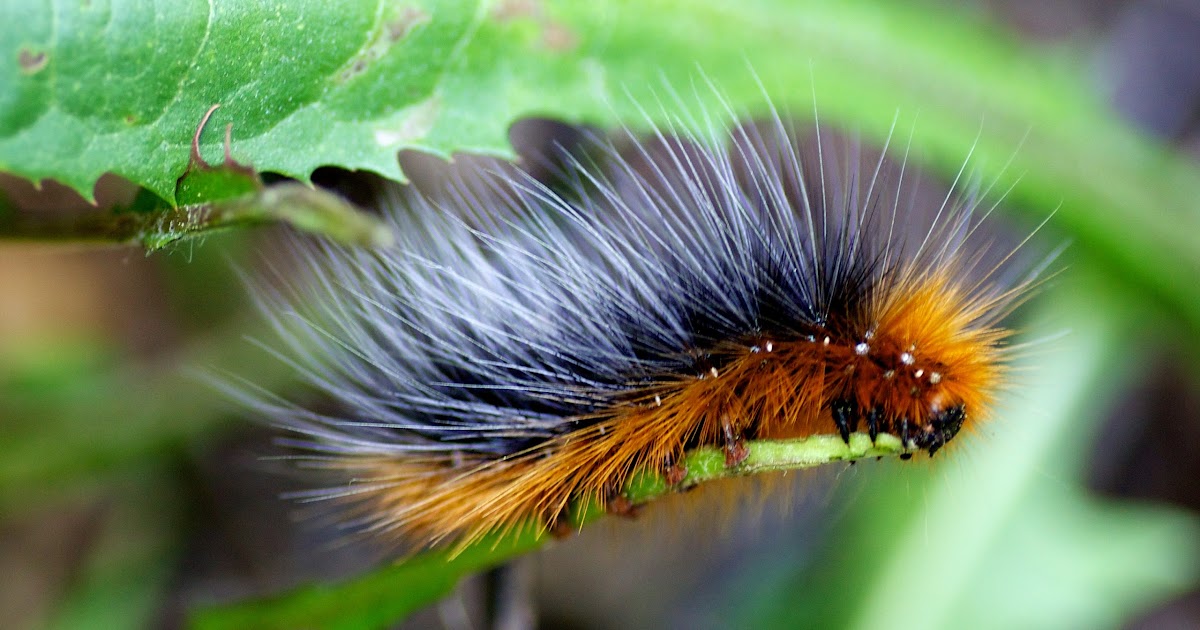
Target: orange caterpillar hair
x=526 y=349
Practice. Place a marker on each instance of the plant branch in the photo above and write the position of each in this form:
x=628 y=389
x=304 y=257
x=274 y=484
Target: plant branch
x=387 y=595
x=306 y=208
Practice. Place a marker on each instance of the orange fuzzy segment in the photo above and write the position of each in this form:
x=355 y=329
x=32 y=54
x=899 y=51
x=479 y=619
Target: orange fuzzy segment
x=913 y=353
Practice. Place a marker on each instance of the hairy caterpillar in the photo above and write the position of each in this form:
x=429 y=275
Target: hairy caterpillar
x=525 y=348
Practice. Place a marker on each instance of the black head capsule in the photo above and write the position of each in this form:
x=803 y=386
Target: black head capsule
x=942 y=428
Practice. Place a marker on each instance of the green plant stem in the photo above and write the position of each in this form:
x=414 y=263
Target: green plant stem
x=387 y=595
x=305 y=207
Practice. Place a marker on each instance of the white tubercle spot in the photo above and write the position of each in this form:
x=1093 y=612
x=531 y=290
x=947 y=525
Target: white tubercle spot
x=770 y=346
x=912 y=347
x=869 y=335
x=919 y=373
x=826 y=342
x=862 y=348
x=755 y=349
x=658 y=400
x=714 y=372
x=935 y=378
x=907 y=358
x=889 y=374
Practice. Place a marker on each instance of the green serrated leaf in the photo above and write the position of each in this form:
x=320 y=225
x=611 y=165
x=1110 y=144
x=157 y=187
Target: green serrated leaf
x=122 y=87
x=208 y=184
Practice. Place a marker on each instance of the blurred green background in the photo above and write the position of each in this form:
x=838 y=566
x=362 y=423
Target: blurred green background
x=132 y=491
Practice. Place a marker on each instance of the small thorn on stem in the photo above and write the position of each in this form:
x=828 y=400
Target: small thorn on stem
x=198 y=159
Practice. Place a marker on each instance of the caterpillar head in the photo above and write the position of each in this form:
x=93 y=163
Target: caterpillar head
x=925 y=362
